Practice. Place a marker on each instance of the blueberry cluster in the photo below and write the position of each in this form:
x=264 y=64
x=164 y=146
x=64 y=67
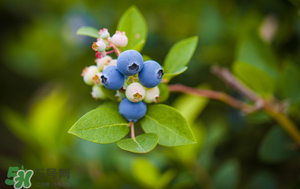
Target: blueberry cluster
x=134 y=80
x=131 y=89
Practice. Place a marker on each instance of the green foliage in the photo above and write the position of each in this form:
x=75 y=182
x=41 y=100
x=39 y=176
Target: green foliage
x=256 y=64
x=163 y=92
x=179 y=56
x=227 y=176
x=148 y=174
x=102 y=125
x=277 y=146
x=141 y=144
x=88 y=31
x=171 y=128
x=262 y=180
x=135 y=27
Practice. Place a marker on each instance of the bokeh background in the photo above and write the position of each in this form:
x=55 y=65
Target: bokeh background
x=42 y=94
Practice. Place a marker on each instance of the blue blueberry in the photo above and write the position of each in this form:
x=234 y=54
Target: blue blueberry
x=151 y=74
x=130 y=62
x=132 y=111
x=112 y=78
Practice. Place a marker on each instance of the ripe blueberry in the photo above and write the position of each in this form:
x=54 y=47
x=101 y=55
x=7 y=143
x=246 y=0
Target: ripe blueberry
x=132 y=111
x=151 y=74
x=130 y=62
x=135 y=92
x=112 y=78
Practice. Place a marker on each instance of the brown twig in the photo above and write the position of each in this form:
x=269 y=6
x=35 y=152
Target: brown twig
x=131 y=125
x=213 y=95
x=285 y=122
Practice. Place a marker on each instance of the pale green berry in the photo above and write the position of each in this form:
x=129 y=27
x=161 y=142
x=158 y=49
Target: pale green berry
x=101 y=45
x=135 y=92
x=89 y=73
x=113 y=62
x=104 y=33
x=101 y=62
x=97 y=93
x=152 y=95
x=119 y=39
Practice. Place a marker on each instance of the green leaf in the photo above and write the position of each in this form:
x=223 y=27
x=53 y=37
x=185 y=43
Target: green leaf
x=227 y=175
x=164 y=92
x=135 y=27
x=141 y=144
x=171 y=128
x=256 y=64
x=102 y=125
x=180 y=54
x=169 y=76
x=277 y=146
x=254 y=78
x=263 y=180
x=88 y=31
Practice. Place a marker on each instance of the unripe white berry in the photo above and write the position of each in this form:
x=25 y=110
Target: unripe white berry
x=113 y=62
x=152 y=95
x=119 y=39
x=104 y=33
x=103 y=61
x=97 y=93
x=135 y=92
x=89 y=73
x=101 y=45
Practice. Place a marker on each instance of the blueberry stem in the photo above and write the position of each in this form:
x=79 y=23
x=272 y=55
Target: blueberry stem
x=117 y=51
x=131 y=125
x=108 y=52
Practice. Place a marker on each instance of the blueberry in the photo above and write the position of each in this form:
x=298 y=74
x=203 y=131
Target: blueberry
x=130 y=62
x=151 y=74
x=132 y=111
x=112 y=78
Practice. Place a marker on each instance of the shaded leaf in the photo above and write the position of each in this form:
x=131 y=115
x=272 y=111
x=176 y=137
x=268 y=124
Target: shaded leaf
x=88 y=31
x=110 y=94
x=169 y=76
x=227 y=175
x=277 y=146
x=101 y=125
x=171 y=128
x=141 y=144
x=180 y=54
x=164 y=92
x=135 y=27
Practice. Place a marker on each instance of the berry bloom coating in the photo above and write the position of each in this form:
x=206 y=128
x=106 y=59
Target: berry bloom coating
x=101 y=45
x=152 y=95
x=97 y=93
x=119 y=39
x=101 y=62
x=89 y=73
x=97 y=79
x=112 y=78
x=151 y=74
x=130 y=62
x=132 y=111
x=104 y=33
x=113 y=62
x=135 y=92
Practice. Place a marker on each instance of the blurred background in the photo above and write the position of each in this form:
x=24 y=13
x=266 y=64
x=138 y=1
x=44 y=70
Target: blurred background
x=43 y=94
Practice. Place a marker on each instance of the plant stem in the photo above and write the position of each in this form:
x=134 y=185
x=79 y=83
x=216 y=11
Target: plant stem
x=213 y=95
x=117 y=51
x=285 y=122
x=131 y=125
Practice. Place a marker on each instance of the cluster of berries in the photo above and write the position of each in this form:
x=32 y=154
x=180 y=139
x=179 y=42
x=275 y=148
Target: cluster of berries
x=134 y=80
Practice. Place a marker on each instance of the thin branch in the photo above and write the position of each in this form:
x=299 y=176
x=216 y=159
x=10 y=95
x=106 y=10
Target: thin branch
x=213 y=95
x=285 y=122
x=117 y=51
x=131 y=125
